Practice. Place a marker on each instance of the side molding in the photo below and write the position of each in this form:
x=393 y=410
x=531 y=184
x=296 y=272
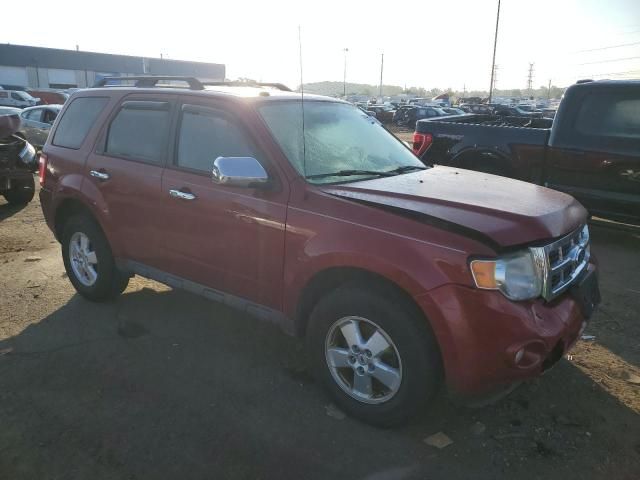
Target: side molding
x=239 y=303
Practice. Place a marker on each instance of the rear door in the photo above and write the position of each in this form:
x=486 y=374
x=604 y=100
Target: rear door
x=228 y=238
x=596 y=152
x=126 y=170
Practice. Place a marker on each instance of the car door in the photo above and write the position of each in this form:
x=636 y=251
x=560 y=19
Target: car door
x=126 y=170
x=595 y=154
x=227 y=238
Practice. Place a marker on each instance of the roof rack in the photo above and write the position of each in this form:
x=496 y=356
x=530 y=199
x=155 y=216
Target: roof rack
x=278 y=86
x=147 y=81
x=150 y=81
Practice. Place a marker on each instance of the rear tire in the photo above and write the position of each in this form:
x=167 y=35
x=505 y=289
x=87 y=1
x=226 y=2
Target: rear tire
x=21 y=191
x=89 y=261
x=403 y=376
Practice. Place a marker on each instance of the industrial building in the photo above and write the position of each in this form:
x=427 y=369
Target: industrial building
x=37 y=67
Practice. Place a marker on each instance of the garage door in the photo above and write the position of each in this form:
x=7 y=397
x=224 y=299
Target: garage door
x=62 y=78
x=14 y=76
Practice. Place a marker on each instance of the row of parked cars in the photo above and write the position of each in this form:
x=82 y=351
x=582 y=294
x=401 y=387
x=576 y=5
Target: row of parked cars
x=406 y=115
x=18 y=97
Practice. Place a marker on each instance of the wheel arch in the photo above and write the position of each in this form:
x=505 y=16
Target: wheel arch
x=70 y=207
x=331 y=278
x=470 y=158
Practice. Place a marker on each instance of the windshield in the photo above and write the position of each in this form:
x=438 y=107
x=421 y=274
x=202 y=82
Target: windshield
x=24 y=96
x=339 y=138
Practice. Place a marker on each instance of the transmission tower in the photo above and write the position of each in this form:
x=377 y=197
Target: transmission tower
x=530 y=79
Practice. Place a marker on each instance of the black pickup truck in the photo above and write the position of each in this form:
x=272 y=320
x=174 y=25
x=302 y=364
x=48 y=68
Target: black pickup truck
x=591 y=149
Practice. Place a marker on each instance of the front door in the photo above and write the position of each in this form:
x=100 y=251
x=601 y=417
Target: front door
x=126 y=169
x=227 y=238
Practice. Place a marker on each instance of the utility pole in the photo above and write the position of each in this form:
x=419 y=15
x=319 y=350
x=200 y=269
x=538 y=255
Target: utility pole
x=495 y=44
x=344 y=78
x=381 y=69
x=530 y=79
x=495 y=76
x=549 y=91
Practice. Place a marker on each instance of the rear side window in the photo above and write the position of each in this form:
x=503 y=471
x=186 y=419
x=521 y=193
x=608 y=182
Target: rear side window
x=206 y=134
x=610 y=114
x=140 y=131
x=77 y=121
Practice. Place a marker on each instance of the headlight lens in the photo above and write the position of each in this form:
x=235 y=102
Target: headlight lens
x=516 y=275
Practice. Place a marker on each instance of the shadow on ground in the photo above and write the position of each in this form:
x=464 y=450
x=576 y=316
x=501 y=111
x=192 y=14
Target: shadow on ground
x=168 y=385
x=7 y=210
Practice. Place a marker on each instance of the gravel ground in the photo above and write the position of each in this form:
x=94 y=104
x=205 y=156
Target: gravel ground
x=163 y=384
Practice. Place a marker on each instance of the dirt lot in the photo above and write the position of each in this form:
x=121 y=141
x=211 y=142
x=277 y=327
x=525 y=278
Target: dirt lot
x=163 y=384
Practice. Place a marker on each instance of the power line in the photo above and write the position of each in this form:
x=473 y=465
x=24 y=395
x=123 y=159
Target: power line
x=607 y=48
x=611 y=60
x=619 y=73
x=616 y=73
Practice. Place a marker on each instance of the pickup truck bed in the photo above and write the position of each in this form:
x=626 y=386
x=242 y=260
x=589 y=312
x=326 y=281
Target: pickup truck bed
x=591 y=149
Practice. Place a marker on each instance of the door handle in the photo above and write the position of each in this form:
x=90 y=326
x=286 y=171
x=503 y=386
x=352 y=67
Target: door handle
x=182 y=195
x=102 y=176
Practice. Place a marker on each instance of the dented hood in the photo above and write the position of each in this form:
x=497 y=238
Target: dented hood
x=500 y=212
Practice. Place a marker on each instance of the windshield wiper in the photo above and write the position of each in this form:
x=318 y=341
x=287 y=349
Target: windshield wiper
x=351 y=173
x=404 y=169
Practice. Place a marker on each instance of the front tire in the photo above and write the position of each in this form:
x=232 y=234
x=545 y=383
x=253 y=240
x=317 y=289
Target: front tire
x=89 y=262
x=21 y=191
x=374 y=354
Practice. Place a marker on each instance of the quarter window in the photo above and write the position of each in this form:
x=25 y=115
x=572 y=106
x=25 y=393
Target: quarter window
x=206 y=134
x=77 y=120
x=140 y=131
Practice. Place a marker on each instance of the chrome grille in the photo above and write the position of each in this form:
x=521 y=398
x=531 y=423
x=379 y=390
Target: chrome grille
x=563 y=261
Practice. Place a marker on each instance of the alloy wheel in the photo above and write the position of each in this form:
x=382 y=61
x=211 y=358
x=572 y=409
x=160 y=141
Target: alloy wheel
x=363 y=360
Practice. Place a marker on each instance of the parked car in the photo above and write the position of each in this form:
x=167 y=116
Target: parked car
x=9 y=111
x=476 y=108
x=16 y=98
x=411 y=116
x=17 y=162
x=453 y=111
x=399 y=276
x=384 y=113
x=36 y=123
x=49 y=97
x=590 y=150
x=516 y=111
x=400 y=112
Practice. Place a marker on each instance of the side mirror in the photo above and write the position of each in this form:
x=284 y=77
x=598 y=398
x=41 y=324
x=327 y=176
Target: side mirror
x=239 y=172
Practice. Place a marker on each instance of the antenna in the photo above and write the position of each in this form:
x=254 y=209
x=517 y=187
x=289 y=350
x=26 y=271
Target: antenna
x=304 y=139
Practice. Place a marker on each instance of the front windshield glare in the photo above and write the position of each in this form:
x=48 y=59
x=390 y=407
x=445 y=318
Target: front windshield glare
x=339 y=138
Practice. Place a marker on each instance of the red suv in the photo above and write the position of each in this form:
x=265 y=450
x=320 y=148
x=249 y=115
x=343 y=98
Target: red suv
x=308 y=213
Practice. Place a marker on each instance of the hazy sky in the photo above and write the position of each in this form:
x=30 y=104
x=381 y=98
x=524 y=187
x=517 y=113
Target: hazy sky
x=426 y=43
